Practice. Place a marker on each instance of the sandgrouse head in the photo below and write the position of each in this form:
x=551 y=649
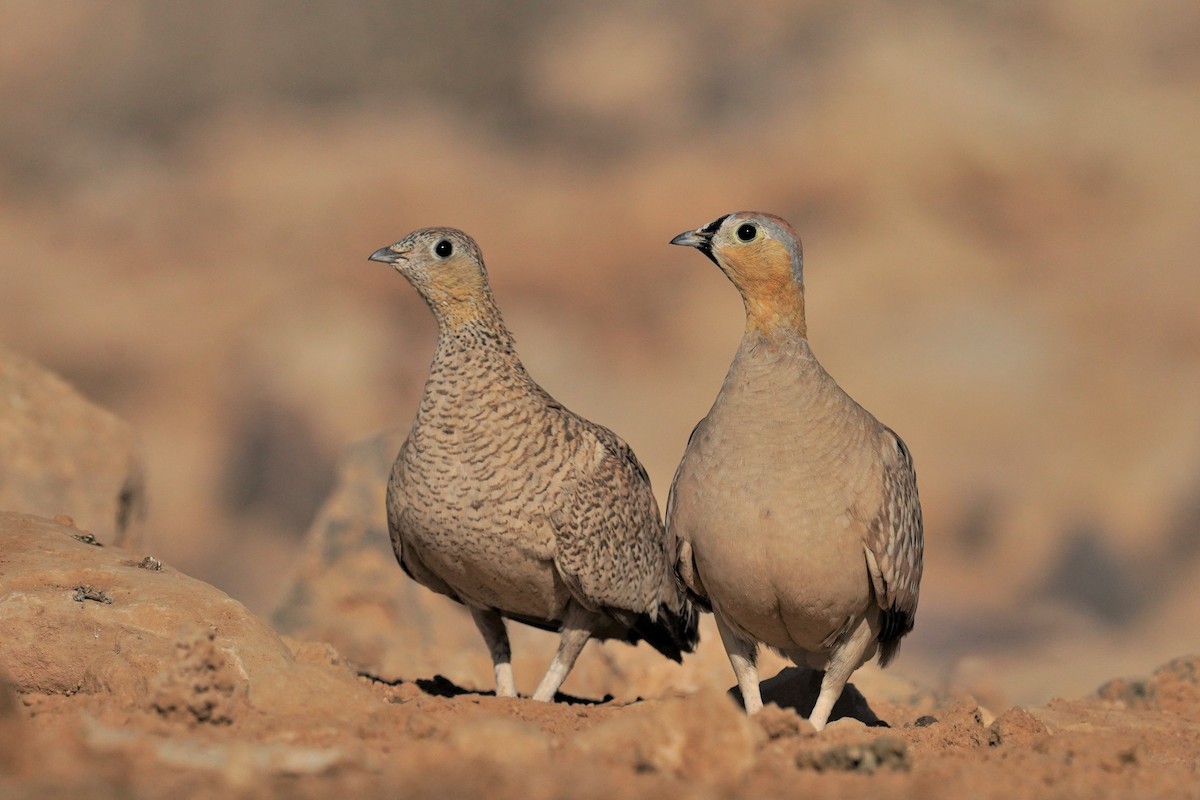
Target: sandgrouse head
x=444 y=265
x=762 y=256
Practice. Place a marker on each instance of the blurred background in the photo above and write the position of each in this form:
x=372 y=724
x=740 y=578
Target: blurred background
x=999 y=203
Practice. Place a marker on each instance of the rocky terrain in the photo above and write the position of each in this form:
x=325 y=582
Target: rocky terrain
x=200 y=371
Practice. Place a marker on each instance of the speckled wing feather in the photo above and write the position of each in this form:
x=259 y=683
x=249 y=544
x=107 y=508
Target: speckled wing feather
x=895 y=545
x=608 y=533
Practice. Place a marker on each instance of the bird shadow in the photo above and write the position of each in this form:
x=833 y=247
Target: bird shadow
x=797 y=688
x=441 y=686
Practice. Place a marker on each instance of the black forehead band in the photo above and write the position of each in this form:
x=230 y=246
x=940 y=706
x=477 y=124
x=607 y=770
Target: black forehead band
x=712 y=227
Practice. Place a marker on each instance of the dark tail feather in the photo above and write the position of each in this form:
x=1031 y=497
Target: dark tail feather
x=887 y=651
x=893 y=625
x=673 y=633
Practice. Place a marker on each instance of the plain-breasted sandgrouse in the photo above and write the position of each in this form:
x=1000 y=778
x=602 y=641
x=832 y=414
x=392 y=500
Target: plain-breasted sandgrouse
x=795 y=510
x=512 y=505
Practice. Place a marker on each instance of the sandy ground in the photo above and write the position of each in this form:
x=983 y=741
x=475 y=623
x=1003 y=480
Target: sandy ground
x=124 y=677
x=429 y=738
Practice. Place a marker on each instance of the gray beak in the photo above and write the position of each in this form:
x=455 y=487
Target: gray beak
x=386 y=255
x=697 y=238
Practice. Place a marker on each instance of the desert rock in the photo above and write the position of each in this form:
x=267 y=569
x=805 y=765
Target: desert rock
x=157 y=638
x=65 y=456
x=705 y=738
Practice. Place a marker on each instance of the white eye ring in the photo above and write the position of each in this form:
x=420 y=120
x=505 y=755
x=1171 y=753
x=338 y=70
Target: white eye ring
x=443 y=249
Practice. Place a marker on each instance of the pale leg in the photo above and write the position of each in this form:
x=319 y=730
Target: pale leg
x=491 y=625
x=847 y=656
x=743 y=657
x=578 y=625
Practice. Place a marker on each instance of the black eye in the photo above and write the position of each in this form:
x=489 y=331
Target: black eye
x=747 y=232
x=443 y=248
